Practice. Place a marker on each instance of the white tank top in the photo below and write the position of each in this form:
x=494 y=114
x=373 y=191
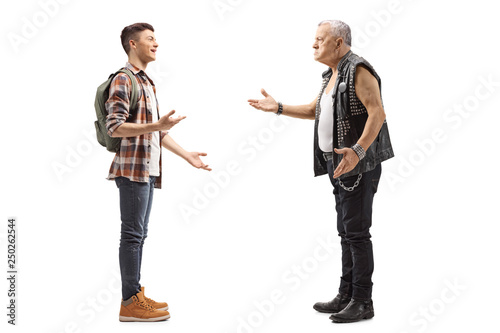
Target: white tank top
x=325 y=125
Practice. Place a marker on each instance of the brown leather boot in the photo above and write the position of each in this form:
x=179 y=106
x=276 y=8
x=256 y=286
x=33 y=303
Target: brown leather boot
x=137 y=309
x=154 y=304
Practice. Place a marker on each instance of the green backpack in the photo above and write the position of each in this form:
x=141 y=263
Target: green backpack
x=102 y=95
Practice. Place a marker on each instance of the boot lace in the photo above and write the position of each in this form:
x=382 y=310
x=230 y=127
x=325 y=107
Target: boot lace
x=145 y=305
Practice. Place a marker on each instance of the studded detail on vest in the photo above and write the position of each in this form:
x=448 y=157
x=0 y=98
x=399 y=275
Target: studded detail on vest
x=350 y=117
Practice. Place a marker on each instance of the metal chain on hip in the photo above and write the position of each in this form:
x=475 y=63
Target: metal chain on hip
x=350 y=189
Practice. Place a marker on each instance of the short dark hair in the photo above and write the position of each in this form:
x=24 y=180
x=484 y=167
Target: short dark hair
x=131 y=31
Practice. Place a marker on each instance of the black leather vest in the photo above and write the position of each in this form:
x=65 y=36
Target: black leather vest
x=350 y=117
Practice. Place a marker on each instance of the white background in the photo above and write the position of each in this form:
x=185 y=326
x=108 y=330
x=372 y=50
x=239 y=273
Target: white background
x=434 y=215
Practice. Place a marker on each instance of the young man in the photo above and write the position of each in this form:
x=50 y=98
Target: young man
x=136 y=167
x=351 y=140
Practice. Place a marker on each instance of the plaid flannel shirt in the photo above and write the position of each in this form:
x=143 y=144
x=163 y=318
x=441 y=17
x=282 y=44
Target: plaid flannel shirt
x=133 y=158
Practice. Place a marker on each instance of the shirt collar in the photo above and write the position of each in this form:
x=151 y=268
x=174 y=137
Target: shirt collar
x=137 y=71
x=133 y=69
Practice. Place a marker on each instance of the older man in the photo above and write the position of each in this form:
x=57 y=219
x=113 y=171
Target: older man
x=351 y=139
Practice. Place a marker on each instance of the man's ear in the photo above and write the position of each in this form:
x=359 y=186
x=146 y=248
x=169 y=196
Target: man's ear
x=132 y=43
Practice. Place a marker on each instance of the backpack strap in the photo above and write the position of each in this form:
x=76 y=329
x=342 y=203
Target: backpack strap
x=134 y=95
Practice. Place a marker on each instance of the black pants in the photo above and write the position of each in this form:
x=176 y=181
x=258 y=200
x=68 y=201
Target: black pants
x=354 y=219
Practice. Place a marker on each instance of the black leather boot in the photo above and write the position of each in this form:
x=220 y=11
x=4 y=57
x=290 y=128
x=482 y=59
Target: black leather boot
x=355 y=311
x=334 y=306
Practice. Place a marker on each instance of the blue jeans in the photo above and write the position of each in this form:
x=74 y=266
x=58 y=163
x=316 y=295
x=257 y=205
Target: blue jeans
x=354 y=219
x=135 y=205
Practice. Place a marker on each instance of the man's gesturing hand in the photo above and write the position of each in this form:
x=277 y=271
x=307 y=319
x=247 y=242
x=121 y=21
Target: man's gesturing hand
x=349 y=161
x=167 y=122
x=268 y=104
x=194 y=159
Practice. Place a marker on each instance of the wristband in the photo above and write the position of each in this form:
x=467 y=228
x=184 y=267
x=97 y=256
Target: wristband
x=359 y=151
x=280 y=108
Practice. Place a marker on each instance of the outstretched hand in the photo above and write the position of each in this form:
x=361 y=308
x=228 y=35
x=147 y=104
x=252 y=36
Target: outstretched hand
x=194 y=159
x=268 y=104
x=348 y=162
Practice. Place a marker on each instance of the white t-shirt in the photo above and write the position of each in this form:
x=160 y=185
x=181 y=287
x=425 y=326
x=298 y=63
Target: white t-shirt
x=154 y=163
x=325 y=125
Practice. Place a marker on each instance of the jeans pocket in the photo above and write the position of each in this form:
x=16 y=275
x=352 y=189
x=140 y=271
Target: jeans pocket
x=119 y=181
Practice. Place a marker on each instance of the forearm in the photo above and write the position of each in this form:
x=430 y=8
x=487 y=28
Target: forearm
x=173 y=146
x=269 y=104
x=299 y=111
x=373 y=125
x=132 y=129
